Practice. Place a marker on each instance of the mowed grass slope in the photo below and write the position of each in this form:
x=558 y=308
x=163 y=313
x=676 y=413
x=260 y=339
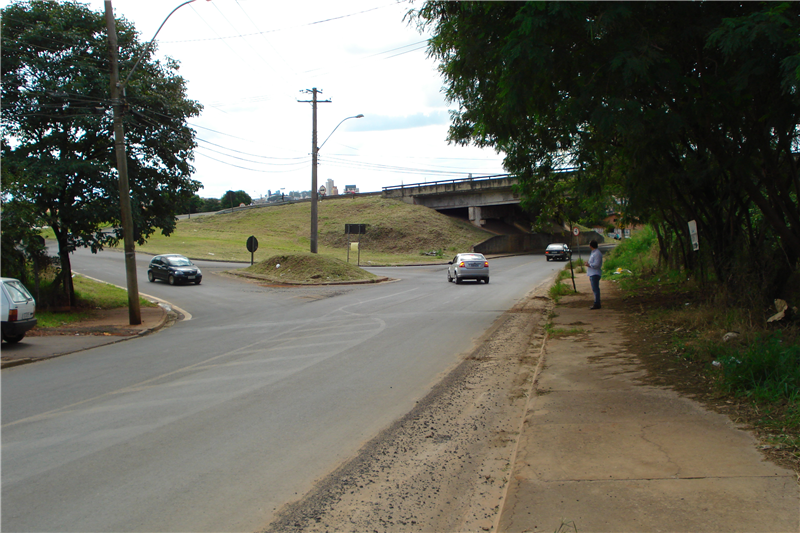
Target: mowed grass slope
x=397 y=233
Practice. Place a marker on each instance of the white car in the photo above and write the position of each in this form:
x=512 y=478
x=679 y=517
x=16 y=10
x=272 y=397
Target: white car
x=18 y=309
x=468 y=266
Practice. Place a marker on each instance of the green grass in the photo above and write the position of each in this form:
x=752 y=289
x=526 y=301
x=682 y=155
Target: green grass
x=768 y=369
x=397 y=233
x=306 y=268
x=554 y=332
x=92 y=296
x=637 y=254
x=563 y=285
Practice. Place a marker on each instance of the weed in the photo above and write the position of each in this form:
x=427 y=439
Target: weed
x=558 y=290
x=553 y=332
x=767 y=370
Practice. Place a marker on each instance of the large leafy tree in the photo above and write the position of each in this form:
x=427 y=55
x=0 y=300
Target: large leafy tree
x=58 y=152
x=687 y=110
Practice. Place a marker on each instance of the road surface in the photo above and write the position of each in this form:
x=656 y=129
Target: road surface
x=214 y=423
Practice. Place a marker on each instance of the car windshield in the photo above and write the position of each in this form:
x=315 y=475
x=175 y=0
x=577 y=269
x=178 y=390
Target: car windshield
x=178 y=261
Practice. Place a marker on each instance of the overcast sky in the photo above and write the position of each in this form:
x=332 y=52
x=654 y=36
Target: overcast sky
x=249 y=61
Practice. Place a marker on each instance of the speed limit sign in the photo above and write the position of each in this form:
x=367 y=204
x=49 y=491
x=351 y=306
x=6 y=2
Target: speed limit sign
x=576 y=231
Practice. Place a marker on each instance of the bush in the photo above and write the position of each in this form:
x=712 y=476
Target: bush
x=637 y=254
x=768 y=369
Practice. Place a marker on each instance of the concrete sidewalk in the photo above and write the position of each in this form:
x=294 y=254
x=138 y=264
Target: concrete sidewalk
x=600 y=451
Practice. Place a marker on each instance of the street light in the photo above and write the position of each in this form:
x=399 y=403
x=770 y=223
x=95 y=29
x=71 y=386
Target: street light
x=126 y=217
x=314 y=224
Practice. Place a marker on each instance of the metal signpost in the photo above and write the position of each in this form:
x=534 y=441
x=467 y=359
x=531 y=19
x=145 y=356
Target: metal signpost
x=354 y=229
x=575 y=231
x=252 y=246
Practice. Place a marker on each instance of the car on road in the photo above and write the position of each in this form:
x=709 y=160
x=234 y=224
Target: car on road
x=18 y=309
x=557 y=250
x=173 y=269
x=468 y=266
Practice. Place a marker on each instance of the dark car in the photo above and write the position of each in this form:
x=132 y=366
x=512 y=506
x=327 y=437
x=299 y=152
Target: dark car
x=174 y=268
x=557 y=251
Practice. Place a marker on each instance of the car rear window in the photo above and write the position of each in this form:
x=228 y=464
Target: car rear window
x=19 y=294
x=473 y=257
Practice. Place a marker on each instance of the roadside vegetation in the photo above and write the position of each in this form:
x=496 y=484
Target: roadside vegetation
x=719 y=348
x=397 y=233
x=92 y=298
x=305 y=268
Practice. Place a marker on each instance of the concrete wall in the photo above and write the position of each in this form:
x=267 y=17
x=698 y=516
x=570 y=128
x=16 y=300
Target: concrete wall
x=505 y=244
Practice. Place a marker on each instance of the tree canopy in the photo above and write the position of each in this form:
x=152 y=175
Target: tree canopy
x=59 y=167
x=685 y=110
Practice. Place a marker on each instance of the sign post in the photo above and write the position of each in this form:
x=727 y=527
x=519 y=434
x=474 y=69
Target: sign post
x=252 y=246
x=354 y=229
x=575 y=231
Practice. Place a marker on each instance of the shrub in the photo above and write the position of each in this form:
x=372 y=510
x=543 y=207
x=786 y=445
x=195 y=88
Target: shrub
x=767 y=369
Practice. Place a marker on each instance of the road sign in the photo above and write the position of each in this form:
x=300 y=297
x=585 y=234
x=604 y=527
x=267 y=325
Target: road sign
x=576 y=231
x=355 y=229
x=693 y=235
x=252 y=246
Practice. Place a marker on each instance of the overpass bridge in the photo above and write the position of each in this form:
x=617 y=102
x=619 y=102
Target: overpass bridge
x=484 y=201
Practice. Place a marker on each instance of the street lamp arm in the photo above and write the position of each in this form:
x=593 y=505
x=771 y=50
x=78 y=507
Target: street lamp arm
x=146 y=48
x=337 y=127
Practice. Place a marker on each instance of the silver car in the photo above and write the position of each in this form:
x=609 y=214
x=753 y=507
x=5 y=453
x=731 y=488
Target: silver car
x=468 y=266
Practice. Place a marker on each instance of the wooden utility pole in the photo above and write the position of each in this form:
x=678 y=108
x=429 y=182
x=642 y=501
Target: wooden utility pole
x=134 y=312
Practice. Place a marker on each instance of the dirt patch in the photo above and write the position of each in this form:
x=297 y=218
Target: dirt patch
x=445 y=465
x=107 y=322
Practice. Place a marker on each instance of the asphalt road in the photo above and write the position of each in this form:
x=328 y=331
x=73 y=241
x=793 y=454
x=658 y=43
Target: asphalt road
x=212 y=424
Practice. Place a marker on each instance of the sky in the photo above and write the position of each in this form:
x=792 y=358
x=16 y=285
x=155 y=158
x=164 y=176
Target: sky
x=250 y=63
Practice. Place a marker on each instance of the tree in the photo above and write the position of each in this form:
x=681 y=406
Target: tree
x=211 y=204
x=688 y=110
x=58 y=152
x=234 y=198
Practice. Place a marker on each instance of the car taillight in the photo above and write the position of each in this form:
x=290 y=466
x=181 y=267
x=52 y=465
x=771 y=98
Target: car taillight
x=461 y=264
x=486 y=264
x=12 y=315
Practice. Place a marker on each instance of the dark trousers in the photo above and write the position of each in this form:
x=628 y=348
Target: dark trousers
x=595 y=282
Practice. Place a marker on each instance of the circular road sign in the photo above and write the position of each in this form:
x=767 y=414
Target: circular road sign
x=252 y=244
x=576 y=231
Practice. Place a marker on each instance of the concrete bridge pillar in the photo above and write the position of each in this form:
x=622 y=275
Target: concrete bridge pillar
x=475 y=216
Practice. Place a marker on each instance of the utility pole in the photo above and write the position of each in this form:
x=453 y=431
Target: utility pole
x=134 y=312
x=314 y=151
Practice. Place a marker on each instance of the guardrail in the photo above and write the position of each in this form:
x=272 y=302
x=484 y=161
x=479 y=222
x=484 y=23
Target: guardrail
x=444 y=182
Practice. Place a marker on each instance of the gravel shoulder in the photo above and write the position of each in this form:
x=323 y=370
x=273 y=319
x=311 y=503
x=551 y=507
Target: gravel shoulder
x=445 y=466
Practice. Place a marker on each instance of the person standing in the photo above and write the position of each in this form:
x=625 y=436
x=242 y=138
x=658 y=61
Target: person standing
x=594 y=271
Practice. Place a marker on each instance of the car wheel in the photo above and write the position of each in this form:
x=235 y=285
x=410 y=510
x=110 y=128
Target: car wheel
x=548 y=259
x=449 y=279
x=171 y=279
x=150 y=277
x=13 y=339
x=197 y=282
x=458 y=280
x=486 y=280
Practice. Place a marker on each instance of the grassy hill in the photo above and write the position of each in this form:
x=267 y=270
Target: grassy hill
x=397 y=233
